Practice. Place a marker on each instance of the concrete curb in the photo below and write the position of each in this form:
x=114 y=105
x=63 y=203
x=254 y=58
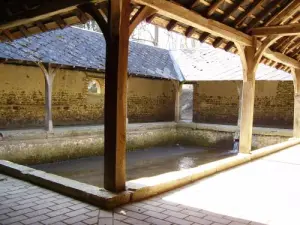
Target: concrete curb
x=137 y=189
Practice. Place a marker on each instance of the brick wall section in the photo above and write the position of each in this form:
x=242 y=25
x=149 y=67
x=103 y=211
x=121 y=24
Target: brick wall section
x=218 y=102
x=22 y=98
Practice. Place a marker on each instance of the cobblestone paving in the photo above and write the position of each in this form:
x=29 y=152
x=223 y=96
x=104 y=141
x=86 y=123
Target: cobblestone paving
x=25 y=203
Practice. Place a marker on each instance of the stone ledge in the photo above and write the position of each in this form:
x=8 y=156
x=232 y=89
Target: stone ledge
x=146 y=187
x=136 y=189
x=85 y=192
x=233 y=128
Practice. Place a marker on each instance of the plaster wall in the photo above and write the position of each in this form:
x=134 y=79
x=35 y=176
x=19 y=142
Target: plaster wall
x=22 y=92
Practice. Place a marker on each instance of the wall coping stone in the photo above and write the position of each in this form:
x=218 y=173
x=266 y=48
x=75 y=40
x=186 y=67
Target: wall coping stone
x=70 y=131
x=234 y=128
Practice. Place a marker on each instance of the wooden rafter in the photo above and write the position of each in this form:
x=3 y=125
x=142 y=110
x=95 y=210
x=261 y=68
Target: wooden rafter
x=24 y=31
x=42 y=27
x=218 y=29
x=284 y=13
x=214 y=6
x=284 y=30
x=263 y=14
x=288 y=11
x=247 y=12
x=190 y=18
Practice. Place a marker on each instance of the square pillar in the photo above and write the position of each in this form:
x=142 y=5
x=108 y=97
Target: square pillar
x=247 y=111
x=296 y=128
x=115 y=104
x=177 y=101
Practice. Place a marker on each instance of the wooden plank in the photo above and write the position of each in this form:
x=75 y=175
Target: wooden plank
x=284 y=30
x=115 y=109
x=141 y=15
x=190 y=18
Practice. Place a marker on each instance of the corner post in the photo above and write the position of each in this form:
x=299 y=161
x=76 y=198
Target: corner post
x=178 y=90
x=296 y=79
x=115 y=104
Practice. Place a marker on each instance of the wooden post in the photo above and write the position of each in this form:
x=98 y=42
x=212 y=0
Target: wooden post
x=178 y=89
x=115 y=95
x=49 y=75
x=296 y=78
x=248 y=93
x=250 y=57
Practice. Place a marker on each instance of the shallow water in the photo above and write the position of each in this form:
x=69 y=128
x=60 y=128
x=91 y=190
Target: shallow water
x=140 y=163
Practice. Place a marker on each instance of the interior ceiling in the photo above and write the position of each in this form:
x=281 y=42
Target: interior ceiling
x=23 y=18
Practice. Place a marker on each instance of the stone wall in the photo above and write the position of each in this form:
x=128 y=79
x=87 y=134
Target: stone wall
x=22 y=98
x=218 y=102
x=37 y=146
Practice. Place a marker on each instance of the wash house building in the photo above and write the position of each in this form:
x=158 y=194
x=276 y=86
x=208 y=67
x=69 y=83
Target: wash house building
x=258 y=31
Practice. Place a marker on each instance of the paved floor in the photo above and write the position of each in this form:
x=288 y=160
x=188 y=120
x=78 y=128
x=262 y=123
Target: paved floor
x=266 y=191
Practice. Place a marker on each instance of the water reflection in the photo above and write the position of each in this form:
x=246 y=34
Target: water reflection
x=186 y=163
x=141 y=163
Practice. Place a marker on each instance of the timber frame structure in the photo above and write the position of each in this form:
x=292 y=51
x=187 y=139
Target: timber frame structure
x=260 y=31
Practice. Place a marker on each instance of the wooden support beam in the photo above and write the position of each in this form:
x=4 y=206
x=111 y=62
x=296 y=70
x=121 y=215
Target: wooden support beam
x=97 y=16
x=250 y=58
x=296 y=79
x=141 y=15
x=49 y=73
x=283 y=30
x=116 y=95
x=247 y=55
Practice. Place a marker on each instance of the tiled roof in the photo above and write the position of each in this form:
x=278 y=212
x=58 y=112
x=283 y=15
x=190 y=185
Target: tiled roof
x=207 y=64
x=77 y=47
